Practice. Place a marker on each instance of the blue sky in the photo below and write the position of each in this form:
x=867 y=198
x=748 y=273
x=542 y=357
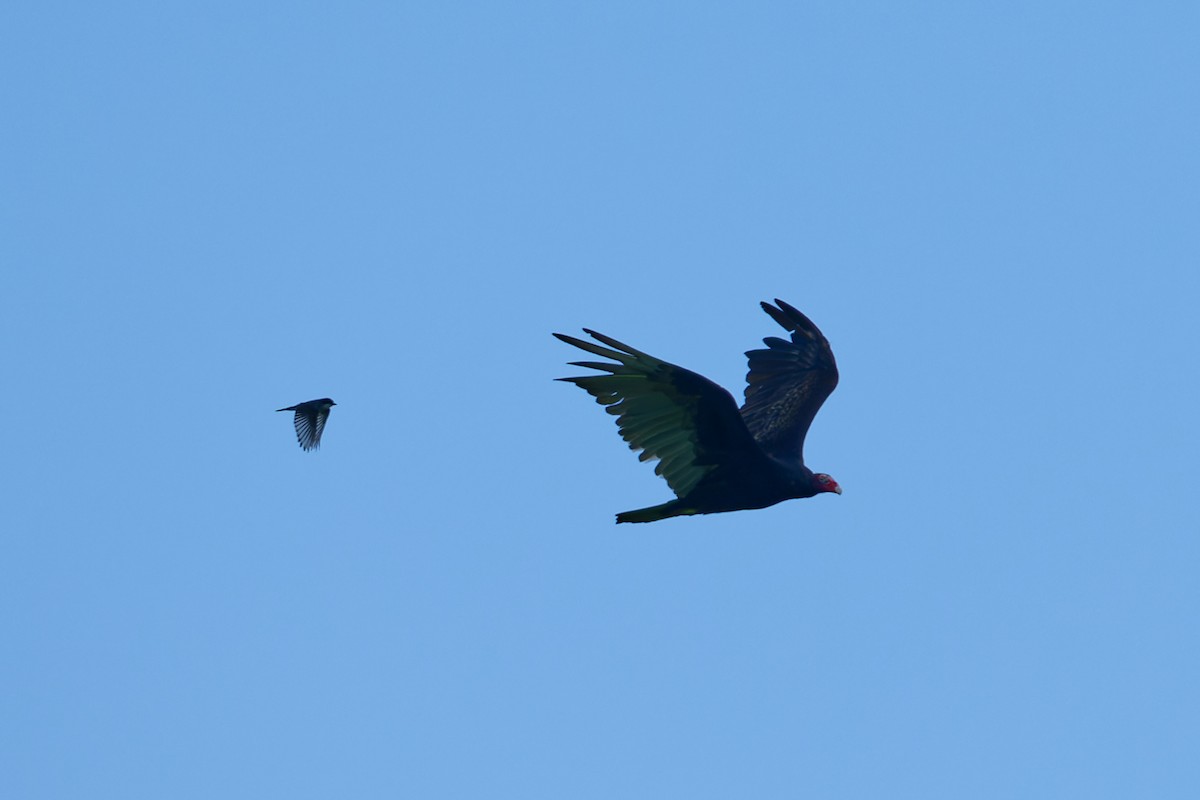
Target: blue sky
x=214 y=210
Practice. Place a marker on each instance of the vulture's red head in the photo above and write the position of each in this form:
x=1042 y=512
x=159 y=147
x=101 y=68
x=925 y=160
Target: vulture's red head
x=826 y=483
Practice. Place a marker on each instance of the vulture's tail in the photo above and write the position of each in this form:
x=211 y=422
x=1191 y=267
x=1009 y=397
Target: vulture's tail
x=655 y=513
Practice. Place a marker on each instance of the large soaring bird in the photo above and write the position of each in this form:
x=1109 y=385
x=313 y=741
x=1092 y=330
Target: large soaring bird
x=715 y=457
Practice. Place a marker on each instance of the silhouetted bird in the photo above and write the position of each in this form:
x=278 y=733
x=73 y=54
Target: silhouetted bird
x=714 y=457
x=310 y=421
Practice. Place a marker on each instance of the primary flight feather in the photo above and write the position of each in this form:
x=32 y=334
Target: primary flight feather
x=714 y=456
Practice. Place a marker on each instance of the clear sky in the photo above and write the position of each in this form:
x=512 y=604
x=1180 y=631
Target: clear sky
x=212 y=210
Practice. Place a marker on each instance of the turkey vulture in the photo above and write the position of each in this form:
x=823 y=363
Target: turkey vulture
x=310 y=421
x=713 y=457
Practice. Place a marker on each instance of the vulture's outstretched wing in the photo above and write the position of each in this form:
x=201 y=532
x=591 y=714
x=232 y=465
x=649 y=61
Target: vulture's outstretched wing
x=690 y=424
x=787 y=384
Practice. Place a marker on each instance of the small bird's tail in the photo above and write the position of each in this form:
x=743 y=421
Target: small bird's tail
x=289 y=408
x=655 y=513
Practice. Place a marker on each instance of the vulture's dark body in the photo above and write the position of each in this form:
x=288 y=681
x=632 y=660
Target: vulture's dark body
x=734 y=487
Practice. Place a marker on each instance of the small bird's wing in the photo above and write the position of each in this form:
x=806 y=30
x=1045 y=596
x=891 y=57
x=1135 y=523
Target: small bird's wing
x=310 y=424
x=787 y=384
x=690 y=424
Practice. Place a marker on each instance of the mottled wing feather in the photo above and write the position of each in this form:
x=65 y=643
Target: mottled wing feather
x=686 y=421
x=787 y=384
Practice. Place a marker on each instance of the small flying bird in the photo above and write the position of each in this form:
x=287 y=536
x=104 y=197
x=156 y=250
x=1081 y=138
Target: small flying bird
x=714 y=456
x=310 y=421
